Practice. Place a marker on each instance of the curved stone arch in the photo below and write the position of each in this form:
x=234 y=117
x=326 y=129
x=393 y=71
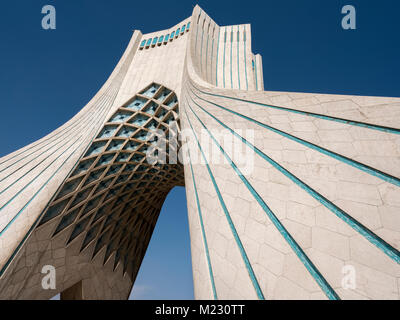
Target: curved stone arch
x=105 y=211
x=111 y=201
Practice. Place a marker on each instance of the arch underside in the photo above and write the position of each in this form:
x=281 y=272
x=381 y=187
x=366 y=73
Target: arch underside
x=106 y=210
x=114 y=196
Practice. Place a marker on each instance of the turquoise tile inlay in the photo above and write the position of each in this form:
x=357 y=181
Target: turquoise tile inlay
x=244 y=54
x=93 y=176
x=324 y=285
x=54 y=147
x=54 y=211
x=160 y=115
x=229 y=219
x=150 y=108
x=137 y=158
x=107 y=132
x=120 y=116
x=83 y=166
x=114 y=169
x=100 y=213
x=172 y=102
x=223 y=65
x=105 y=159
x=122 y=178
x=123 y=157
x=231 y=59
x=126 y=132
x=141 y=135
x=207 y=64
x=91 y=204
x=152 y=125
x=67 y=220
x=131 y=146
x=164 y=94
x=372 y=171
x=25 y=206
x=137 y=104
x=103 y=185
x=93 y=131
x=95 y=148
x=150 y=92
x=115 y=145
x=69 y=187
x=238 y=64
x=82 y=195
x=113 y=192
x=139 y=120
x=203 y=232
x=79 y=228
x=356 y=225
x=91 y=234
x=47 y=167
x=211 y=57
x=34 y=179
x=255 y=71
x=216 y=63
x=197 y=33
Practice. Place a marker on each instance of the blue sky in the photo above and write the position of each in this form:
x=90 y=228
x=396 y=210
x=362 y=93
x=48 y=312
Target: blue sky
x=48 y=76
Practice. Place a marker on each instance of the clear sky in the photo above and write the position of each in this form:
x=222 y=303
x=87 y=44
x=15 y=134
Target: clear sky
x=46 y=77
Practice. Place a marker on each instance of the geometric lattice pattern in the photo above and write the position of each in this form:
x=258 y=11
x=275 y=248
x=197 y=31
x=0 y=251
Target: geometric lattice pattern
x=114 y=195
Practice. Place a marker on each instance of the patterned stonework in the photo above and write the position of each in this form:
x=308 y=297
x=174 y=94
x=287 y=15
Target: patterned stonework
x=315 y=216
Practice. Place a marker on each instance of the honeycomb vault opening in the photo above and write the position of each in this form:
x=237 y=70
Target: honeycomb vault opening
x=108 y=207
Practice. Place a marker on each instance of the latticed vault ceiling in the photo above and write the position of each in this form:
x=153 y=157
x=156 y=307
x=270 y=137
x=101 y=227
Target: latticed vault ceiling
x=114 y=195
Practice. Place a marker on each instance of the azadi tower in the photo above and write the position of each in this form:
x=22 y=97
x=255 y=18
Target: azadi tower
x=302 y=203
